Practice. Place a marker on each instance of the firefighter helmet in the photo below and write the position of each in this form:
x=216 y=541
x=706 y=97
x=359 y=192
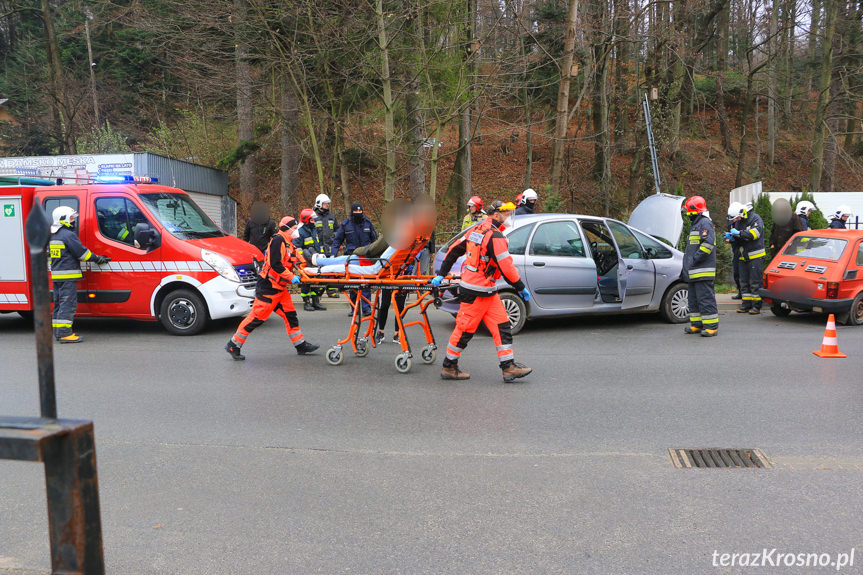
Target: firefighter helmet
x=475 y=201
x=321 y=199
x=63 y=216
x=695 y=205
x=804 y=207
x=519 y=199
x=529 y=195
x=736 y=210
x=841 y=212
x=499 y=206
x=307 y=215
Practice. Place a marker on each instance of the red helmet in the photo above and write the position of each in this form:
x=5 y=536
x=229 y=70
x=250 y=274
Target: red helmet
x=306 y=215
x=475 y=201
x=518 y=199
x=695 y=205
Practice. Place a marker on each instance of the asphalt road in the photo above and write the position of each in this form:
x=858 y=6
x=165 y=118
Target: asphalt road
x=282 y=464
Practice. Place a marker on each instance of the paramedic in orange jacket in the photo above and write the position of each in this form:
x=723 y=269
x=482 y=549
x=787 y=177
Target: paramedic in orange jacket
x=271 y=292
x=487 y=259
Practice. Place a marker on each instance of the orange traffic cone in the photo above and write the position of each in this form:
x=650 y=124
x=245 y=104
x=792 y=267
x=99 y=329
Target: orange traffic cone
x=830 y=345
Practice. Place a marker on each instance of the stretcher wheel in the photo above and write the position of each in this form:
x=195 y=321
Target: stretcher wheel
x=403 y=363
x=362 y=349
x=335 y=356
x=429 y=354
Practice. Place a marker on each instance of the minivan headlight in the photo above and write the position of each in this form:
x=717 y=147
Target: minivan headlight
x=221 y=264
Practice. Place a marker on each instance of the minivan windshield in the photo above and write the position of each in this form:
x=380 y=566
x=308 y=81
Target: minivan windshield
x=181 y=216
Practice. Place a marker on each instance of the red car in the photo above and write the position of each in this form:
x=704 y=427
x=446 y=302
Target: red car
x=820 y=271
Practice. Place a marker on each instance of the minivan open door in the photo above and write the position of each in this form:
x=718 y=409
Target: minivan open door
x=659 y=215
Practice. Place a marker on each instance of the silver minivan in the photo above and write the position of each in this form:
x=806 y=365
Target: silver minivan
x=575 y=264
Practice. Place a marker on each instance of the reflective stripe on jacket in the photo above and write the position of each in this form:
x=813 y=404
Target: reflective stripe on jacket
x=751 y=242
x=66 y=253
x=280 y=260
x=699 y=257
x=487 y=259
x=470 y=219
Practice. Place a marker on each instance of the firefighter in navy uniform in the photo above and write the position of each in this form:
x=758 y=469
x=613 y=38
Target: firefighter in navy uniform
x=487 y=258
x=528 y=202
x=699 y=269
x=308 y=241
x=66 y=254
x=272 y=295
x=325 y=226
x=747 y=235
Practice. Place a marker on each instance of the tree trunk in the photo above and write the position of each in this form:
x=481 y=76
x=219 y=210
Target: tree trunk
x=834 y=109
x=290 y=165
x=434 y=162
x=789 y=24
x=245 y=110
x=389 y=125
x=345 y=177
x=826 y=73
x=560 y=124
x=62 y=121
x=416 y=157
x=528 y=112
x=601 y=128
x=771 y=84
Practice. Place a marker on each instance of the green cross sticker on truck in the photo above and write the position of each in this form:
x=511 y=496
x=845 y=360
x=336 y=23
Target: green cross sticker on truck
x=8 y=210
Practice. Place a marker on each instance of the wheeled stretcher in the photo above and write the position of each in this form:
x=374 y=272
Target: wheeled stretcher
x=390 y=273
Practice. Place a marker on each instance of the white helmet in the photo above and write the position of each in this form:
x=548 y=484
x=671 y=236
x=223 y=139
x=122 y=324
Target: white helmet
x=736 y=210
x=321 y=200
x=529 y=194
x=841 y=211
x=804 y=208
x=63 y=216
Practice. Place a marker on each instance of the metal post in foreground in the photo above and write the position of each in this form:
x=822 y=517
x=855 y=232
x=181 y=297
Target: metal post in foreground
x=66 y=447
x=38 y=230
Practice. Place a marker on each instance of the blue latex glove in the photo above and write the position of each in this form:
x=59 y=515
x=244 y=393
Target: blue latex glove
x=437 y=281
x=734 y=232
x=295 y=280
x=525 y=295
x=728 y=236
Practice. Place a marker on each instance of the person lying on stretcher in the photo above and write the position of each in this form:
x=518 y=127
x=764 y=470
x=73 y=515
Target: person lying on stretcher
x=403 y=222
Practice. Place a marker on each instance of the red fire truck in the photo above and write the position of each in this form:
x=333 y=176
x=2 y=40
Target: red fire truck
x=169 y=261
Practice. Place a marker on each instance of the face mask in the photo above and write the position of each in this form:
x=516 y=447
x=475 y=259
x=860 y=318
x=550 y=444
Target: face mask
x=324 y=211
x=295 y=233
x=358 y=218
x=507 y=223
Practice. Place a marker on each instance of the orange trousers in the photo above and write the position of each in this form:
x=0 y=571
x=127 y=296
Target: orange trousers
x=278 y=301
x=473 y=311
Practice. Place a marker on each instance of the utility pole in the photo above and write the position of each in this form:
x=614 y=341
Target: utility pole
x=92 y=65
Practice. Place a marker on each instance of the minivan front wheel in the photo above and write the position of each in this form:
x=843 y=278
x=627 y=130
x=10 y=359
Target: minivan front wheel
x=675 y=304
x=516 y=310
x=183 y=312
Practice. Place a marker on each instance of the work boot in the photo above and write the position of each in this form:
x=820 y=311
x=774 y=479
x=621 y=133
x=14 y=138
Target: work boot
x=514 y=371
x=307 y=304
x=306 y=347
x=234 y=350
x=332 y=293
x=737 y=296
x=743 y=310
x=755 y=311
x=691 y=330
x=73 y=338
x=316 y=303
x=452 y=372
x=709 y=332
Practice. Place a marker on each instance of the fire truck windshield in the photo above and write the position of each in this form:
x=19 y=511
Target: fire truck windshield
x=181 y=216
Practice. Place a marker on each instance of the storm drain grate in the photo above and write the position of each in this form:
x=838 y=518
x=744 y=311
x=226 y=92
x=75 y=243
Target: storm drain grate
x=715 y=458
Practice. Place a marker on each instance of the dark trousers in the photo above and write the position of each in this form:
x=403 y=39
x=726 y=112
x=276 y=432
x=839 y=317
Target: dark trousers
x=65 y=306
x=384 y=307
x=702 y=305
x=735 y=266
x=367 y=294
x=750 y=283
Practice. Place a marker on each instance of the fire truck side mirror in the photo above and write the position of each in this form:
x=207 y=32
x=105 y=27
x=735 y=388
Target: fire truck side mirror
x=146 y=238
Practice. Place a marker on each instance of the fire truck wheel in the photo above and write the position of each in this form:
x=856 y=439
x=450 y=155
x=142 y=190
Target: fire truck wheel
x=28 y=315
x=183 y=312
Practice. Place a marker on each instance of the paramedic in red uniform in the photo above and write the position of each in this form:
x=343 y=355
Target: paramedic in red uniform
x=487 y=259
x=272 y=295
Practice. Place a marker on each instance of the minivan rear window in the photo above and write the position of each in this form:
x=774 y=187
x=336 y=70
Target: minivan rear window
x=814 y=247
x=181 y=216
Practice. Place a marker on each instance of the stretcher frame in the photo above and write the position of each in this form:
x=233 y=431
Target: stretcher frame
x=391 y=277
